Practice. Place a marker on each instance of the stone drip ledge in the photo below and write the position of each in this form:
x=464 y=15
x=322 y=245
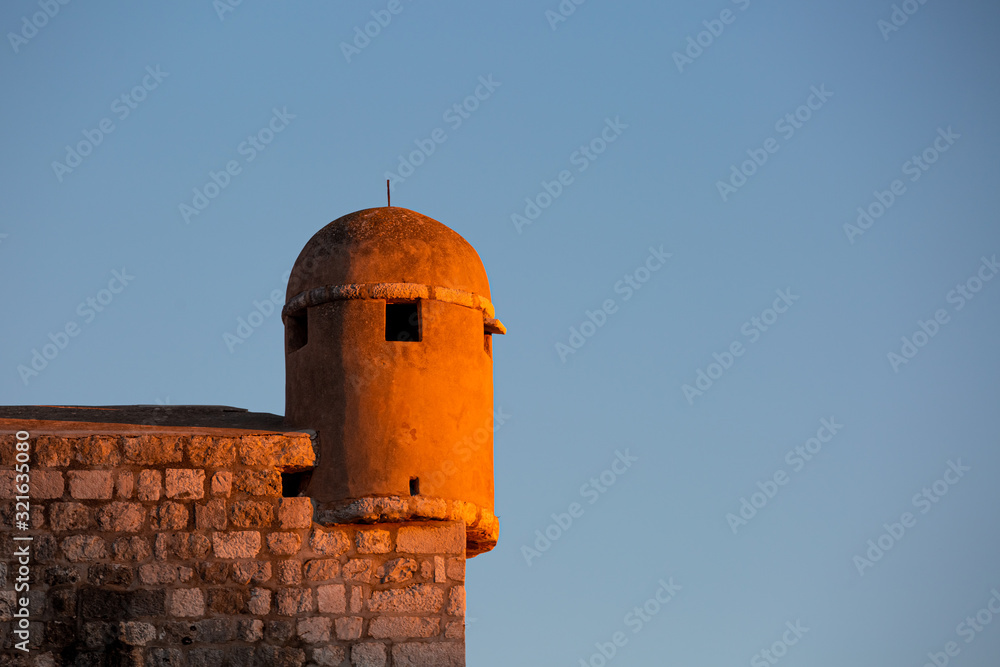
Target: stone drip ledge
x=482 y=528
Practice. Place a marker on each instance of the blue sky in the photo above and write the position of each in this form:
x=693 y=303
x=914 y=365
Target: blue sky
x=864 y=100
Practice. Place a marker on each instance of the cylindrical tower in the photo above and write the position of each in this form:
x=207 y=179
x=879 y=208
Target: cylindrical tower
x=389 y=358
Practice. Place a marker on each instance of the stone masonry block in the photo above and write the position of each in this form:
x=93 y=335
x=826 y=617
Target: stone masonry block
x=184 y=483
x=236 y=544
x=295 y=513
x=374 y=541
x=210 y=451
x=150 y=485
x=444 y=538
x=417 y=598
x=403 y=627
x=329 y=542
x=187 y=602
x=91 y=484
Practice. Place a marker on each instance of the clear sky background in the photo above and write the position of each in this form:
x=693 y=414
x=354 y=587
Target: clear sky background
x=680 y=128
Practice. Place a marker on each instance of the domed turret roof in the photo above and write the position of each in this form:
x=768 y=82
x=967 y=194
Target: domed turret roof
x=388 y=245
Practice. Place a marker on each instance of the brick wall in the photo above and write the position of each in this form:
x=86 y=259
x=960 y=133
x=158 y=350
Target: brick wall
x=178 y=550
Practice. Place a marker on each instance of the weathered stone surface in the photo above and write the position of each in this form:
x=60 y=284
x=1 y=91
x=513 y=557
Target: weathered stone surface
x=397 y=570
x=136 y=633
x=121 y=517
x=329 y=542
x=185 y=483
x=274 y=656
x=357 y=599
x=169 y=516
x=211 y=452
x=211 y=515
x=51 y=451
x=322 y=569
x=206 y=657
x=374 y=541
x=332 y=598
x=164 y=657
x=369 y=654
x=439 y=654
x=403 y=627
x=110 y=574
x=284 y=544
x=56 y=575
x=150 y=485
x=294 y=601
x=358 y=569
x=79 y=548
x=328 y=656
x=314 y=630
x=456 y=601
x=413 y=598
x=124 y=484
x=448 y=538
x=257 y=571
x=258 y=482
x=70 y=516
x=259 y=603
x=187 y=602
x=131 y=549
x=213 y=572
x=97 y=450
x=91 y=484
x=236 y=544
x=62 y=602
x=455 y=630
x=228 y=600
x=45 y=484
x=456 y=569
x=348 y=627
x=251 y=514
x=153 y=574
x=222 y=483
x=289 y=572
x=250 y=629
x=286 y=452
x=295 y=513
x=440 y=574
x=153 y=449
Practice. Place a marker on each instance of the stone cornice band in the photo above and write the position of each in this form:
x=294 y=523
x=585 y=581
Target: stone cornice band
x=392 y=291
